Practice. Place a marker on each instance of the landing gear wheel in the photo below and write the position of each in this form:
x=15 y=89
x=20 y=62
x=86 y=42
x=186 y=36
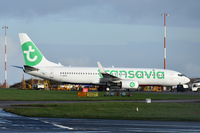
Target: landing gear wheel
x=107 y=89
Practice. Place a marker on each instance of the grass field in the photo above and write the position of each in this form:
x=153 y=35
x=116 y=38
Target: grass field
x=42 y=95
x=117 y=110
x=109 y=110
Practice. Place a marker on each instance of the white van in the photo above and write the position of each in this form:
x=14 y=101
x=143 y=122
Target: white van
x=196 y=87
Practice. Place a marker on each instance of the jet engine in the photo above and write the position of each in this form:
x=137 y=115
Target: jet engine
x=129 y=84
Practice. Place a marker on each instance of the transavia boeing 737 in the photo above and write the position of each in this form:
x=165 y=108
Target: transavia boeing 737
x=124 y=78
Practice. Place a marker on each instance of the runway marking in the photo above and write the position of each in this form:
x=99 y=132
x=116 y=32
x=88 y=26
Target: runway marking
x=57 y=125
x=46 y=122
x=61 y=126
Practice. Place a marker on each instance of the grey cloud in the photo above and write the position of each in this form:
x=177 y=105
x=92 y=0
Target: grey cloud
x=112 y=11
x=28 y=8
x=149 y=11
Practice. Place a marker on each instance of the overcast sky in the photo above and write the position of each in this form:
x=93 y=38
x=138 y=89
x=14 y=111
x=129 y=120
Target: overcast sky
x=121 y=33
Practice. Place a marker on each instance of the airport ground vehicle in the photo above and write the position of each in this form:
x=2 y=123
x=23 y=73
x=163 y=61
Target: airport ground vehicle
x=181 y=88
x=196 y=87
x=38 y=86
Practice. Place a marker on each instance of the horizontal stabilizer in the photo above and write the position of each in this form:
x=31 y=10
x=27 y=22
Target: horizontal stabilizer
x=29 y=68
x=20 y=67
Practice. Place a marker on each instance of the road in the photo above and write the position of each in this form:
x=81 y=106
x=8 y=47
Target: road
x=11 y=123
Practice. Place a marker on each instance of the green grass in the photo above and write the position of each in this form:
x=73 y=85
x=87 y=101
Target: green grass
x=42 y=95
x=109 y=110
x=116 y=110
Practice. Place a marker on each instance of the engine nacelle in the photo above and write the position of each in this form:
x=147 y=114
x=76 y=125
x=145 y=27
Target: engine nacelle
x=129 y=84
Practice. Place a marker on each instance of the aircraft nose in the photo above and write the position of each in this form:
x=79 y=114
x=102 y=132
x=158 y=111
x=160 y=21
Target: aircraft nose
x=186 y=80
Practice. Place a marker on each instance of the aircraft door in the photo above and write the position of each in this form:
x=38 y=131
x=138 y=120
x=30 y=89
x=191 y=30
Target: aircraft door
x=51 y=76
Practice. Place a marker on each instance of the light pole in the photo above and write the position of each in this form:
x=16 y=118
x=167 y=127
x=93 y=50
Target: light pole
x=165 y=49
x=5 y=57
x=165 y=37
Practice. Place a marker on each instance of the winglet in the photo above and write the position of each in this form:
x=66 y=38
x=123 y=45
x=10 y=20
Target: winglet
x=100 y=67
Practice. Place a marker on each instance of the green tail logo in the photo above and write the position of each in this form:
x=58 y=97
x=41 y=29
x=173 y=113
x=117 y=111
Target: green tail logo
x=32 y=55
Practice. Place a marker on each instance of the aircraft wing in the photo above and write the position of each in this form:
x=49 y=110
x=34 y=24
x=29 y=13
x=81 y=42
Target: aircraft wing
x=106 y=76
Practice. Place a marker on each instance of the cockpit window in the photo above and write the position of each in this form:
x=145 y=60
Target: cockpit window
x=181 y=75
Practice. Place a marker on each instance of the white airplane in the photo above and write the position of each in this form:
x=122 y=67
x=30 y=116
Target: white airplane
x=124 y=78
